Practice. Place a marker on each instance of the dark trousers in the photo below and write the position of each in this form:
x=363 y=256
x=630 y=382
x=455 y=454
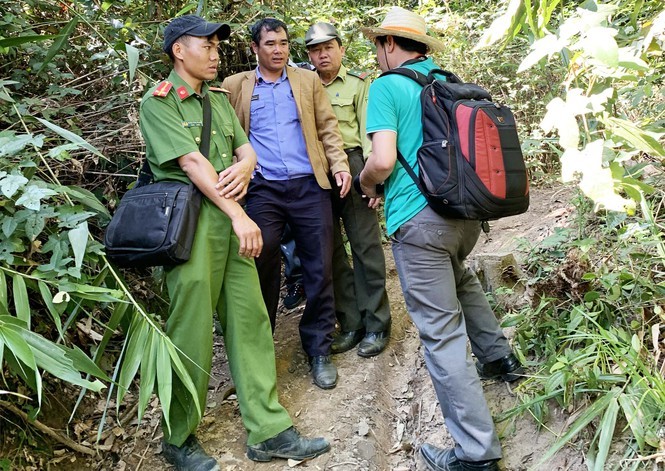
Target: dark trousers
x=305 y=207
x=361 y=300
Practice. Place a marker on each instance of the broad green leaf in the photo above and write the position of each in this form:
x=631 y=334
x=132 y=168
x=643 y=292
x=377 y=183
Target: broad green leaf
x=10 y=184
x=9 y=225
x=93 y=293
x=32 y=196
x=4 y=95
x=60 y=42
x=600 y=44
x=545 y=10
x=35 y=223
x=78 y=238
x=132 y=59
x=560 y=115
x=164 y=380
x=21 y=303
x=71 y=137
x=638 y=138
x=11 y=144
x=544 y=47
x=506 y=25
x=48 y=300
x=606 y=427
x=137 y=335
x=86 y=198
x=56 y=359
x=148 y=365
x=18 y=40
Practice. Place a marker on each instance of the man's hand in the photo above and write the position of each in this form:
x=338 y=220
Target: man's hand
x=251 y=242
x=374 y=202
x=233 y=181
x=343 y=180
x=368 y=190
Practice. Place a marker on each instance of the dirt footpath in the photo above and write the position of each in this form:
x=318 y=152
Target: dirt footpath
x=383 y=408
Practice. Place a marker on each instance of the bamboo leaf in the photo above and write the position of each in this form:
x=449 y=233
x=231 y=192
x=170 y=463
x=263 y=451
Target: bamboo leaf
x=59 y=43
x=132 y=59
x=148 y=364
x=164 y=380
x=86 y=198
x=138 y=333
x=71 y=137
x=184 y=376
x=593 y=411
x=638 y=138
x=21 y=303
x=31 y=38
x=3 y=295
x=118 y=313
x=633 y=416
x=93 y=293
x=78 y=238
x=48 y=300
x=606 y=427
x=506 y=25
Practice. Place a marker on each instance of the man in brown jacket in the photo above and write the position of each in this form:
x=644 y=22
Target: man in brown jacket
x=291 y=125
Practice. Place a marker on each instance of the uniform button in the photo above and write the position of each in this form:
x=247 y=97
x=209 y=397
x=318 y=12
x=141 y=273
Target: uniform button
x=223 y=155
x=214 y=132
x=197 y=139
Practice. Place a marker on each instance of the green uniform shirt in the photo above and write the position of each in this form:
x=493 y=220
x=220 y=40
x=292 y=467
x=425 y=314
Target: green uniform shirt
x=348 y=96
x=171 y=120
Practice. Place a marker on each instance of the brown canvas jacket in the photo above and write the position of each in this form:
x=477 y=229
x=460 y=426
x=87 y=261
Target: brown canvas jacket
x=319 y=124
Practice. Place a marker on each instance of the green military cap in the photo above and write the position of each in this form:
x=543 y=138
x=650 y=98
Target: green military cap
x=319 y=33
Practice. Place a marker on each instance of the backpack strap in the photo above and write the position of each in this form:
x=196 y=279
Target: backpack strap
x=422 y=79
x=411 y=173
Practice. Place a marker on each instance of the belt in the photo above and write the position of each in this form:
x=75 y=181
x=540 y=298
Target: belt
x=353 y=149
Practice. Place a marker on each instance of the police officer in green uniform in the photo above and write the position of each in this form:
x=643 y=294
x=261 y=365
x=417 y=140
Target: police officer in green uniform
x=220 y=275
x=361 y=302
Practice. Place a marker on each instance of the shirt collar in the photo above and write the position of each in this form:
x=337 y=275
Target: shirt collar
x=182 y=89
x=259 y=77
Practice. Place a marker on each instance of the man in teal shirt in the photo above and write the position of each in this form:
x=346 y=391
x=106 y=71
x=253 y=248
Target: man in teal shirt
x=220 y=275
x=443 y=297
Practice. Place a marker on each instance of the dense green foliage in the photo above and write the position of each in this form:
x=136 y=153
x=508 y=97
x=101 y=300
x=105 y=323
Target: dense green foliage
x=586 y=84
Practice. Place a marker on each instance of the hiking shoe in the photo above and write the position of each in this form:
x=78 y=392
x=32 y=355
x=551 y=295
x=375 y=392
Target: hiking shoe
x=507 y=368
x=295 y=295
x=439 y=459
x=288 y=445
x=190 y=456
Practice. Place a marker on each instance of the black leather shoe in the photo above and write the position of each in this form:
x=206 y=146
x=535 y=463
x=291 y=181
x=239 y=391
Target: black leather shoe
x=295 y=295
x=438 y=459
x=324 y=371
x=373 y=343
x=345 y=341
x=189 y=456
x=507 y=368
x=288 y=445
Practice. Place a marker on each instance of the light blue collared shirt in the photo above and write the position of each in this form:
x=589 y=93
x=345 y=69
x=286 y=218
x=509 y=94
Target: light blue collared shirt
x=275 y=131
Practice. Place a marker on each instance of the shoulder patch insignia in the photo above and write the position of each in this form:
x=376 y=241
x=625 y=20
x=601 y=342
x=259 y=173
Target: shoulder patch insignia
x=358 y=74
x=182 y=92
x=162 y=89
x=219 y=89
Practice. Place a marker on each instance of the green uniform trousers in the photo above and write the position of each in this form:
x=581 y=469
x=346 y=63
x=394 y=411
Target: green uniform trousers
x=217 y=278
x=361 y=300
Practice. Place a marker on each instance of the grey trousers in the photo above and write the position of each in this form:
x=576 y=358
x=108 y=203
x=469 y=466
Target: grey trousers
x=361 y=300
x=447 y=304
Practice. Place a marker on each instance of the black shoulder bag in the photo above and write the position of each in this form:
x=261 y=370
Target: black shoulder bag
x=155 y=223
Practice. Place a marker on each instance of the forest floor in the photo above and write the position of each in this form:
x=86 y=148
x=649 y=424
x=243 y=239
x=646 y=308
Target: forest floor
x=383 y=408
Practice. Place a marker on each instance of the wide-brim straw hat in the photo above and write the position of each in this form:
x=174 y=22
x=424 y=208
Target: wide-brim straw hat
x=405 y=24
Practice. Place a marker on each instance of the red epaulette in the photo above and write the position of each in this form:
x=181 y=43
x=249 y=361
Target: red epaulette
x=182 y=92
x=162 y=89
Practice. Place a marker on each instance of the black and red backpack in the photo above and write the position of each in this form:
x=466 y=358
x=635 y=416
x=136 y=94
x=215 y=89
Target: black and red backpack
x=470 y=161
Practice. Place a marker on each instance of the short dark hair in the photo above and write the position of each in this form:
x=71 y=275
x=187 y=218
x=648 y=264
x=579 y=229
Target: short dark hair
x=269 y=24
x=184 y=39
x=406 y=44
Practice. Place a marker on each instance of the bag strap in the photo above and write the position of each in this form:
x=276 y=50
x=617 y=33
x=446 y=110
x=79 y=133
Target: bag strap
x=411 y=173
x=146 y=175
x=422 y=79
